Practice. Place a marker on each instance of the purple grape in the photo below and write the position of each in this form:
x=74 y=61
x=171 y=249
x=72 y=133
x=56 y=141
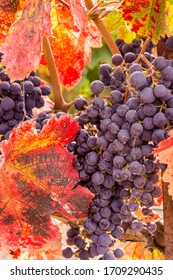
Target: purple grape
x=98 y=103
x=67 y=253
x=156 y=192
x=158 y=135
x=104 y=224
x=105 y=193
x=3 y=128
x=151 y=227
x=159 y=120
x=92 y=112
x=115 y=219
x=137 y=226
x=97 y=86
x=118 y=232
x=84 y=254
x=79 y=242
x=169 y=113
x=93 y=251
x=27 y=86
x=135 y=167
x=104 y=124
x=136 y=130
x=105 y=212
x=105 y=69
x=122 y=110
x=146 y=198
x=135 y=67
x=137 y=79
x=101 y=249
x=90 y=226
x=125 y=194
x=133 y=206
x=36 y=81
x=80 y=103
x=129 y=57
x=123 y=135
x=136 y=193
x=108 y=256
x=117 y=59
x=118 y=253
x=4 y=87
x=115 y=97
x=104 y=240
x=116 y=205
x=147 y=95
x=131 y=116
x=45 y=89
x=7 y=103
x=92 y=158
x=167 y=73
x=160 y=62
x=102 y=143
x=15 y=89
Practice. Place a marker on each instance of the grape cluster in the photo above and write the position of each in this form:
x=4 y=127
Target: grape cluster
x=18 y=99
x=133 y=47
x=114 y=148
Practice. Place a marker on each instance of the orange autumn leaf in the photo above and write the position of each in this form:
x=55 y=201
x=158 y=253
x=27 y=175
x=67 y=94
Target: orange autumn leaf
x=37 y=180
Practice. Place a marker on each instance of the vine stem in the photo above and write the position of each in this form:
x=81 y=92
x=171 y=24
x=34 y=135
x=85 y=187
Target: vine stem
x=168 y=221
x=60 y=104
x=102 y=28
x=140 y=56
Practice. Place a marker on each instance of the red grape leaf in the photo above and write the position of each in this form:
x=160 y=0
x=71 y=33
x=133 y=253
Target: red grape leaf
x=22 y=48
x=72 y=39
x=164 y=153
x=37 y=179
x=145 y=17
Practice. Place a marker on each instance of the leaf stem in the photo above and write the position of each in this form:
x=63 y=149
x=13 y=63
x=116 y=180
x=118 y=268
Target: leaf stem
x=60 y=104
x=102 y=28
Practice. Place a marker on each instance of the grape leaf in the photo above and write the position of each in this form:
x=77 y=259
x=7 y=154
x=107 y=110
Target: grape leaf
x=37 y=180
x=22 y=48
x=8 y=9
x=115 y=22
x=145 y=18
x=164 y=153
x=72 y=39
